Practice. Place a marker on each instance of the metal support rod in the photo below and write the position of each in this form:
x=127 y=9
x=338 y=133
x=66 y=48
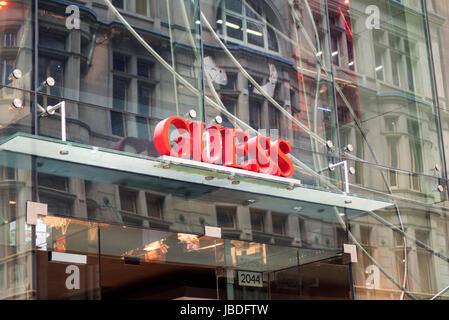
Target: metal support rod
x=51 y=110
x=346 y=172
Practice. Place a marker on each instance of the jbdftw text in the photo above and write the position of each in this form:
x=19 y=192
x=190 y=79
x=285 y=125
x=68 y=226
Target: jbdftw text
x=216 y=144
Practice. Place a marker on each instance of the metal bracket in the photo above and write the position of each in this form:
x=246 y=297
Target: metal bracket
x=34 y=211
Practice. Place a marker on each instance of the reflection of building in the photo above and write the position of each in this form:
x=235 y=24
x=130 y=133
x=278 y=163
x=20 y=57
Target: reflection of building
x=324 y=76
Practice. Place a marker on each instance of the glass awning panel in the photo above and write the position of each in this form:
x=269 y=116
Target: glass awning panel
x=212 y=184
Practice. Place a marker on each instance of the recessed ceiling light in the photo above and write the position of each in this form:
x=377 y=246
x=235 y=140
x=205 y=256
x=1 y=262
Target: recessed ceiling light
x=12 y=202
x=297 y=209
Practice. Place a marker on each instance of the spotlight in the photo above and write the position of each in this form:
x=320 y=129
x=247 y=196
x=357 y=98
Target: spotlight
x=218 y=120
x=329 y=144
x=50 y=82
x=17 y=103
x=349 y=148
x=191 y=114
x=16 y=74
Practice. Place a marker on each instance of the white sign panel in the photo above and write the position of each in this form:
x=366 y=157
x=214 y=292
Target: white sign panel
x=250 y=279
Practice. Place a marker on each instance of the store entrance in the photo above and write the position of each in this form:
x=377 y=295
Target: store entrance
x=82 y=260
x=136 y=280
x=120 y=279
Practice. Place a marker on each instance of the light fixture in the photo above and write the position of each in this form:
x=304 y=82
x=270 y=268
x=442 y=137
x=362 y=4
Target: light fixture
x=235 y=182
x=297 y=209
x=348 y=201
x=12 y=202
x=166 y=166
x=319 y=53
x=50 y=82
x=334 y=53
x=208 y=178
x=231 y=177
x=15 y=74
x=437 y=168
x=64 y=152
x=17 y=103
x=351 y=170
x=440 y=188
x=232 y=25
x=350 y=64
x=198 y=22
x=341 y=214
x=218 y=120
x=329 y=144
x=192 y=114
x=349 y=148
x=290 y=188
x=379 y=68
x=254 y=32
x=219 y=21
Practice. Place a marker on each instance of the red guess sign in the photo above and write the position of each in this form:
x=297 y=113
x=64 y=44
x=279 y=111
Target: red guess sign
x=215 y=144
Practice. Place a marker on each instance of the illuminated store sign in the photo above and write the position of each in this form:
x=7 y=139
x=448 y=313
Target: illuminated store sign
x=219 y=145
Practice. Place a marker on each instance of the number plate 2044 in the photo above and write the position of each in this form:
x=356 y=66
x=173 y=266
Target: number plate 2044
x=250 y=279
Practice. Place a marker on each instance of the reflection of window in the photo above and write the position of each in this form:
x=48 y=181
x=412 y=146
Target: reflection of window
x=227 y=217
x=9 y=39
x=391 y=124
x=120 y=88
x=273 y=118
x=232 y=81
x=246 y=23
x=231 y=107
x=128 y=200
x=49 y=67
x=6 y=68
x=279 y=223
x=53 y=182
x=350 y=45
x=365 y=235
x=415 y=154
x=118 y=3
x=251 y=88
x=57 y=205
x=254 y=114
x=118 y=123
x=360 y=154
x=144 y=99
x=257 y=219
x=425 y=262
x=143 y=128
x=154 y=205
x=144 y=68
x=8 y=173
x=379 y=62
x=119 y=62
x=335 y=47
x=416 y=163
x=52 y=41
x=143 y=7
x=394 y=161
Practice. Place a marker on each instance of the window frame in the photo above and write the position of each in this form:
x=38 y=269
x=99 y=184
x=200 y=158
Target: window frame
x=245 y=19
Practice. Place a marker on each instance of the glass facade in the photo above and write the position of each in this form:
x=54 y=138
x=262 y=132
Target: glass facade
x=339 y=81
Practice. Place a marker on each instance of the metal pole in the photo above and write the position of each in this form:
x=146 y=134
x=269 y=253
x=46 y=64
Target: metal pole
x=63 y=125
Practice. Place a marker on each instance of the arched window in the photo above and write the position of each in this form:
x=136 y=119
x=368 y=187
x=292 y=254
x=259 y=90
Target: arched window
x=245 y=21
